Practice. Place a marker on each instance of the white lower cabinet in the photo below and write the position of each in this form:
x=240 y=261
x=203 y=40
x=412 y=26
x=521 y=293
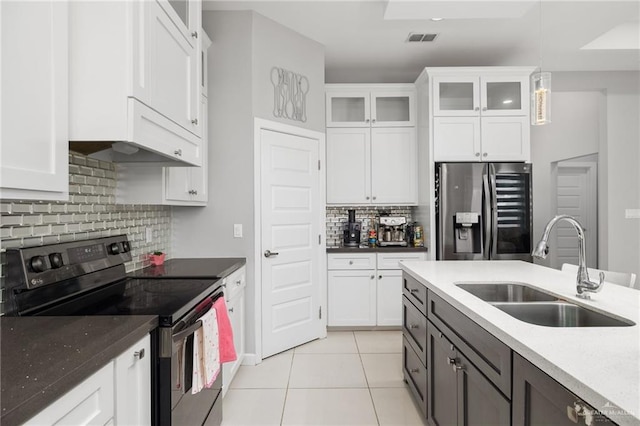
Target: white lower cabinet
x=234 y=297
x=365 y=289
x=119 y=393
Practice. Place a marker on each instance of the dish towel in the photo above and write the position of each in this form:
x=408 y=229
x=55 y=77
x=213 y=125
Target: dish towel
x=227 y=348
x=206 y=355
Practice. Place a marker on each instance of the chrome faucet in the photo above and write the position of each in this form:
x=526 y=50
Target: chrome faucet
x=583 y=284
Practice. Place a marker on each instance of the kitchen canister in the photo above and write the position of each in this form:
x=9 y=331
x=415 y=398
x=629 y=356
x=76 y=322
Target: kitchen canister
x=418 y=237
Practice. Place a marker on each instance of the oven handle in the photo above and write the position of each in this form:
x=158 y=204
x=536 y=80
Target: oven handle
x=184 y=333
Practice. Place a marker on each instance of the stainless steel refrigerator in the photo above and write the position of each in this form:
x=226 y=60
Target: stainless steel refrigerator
x=483 y=211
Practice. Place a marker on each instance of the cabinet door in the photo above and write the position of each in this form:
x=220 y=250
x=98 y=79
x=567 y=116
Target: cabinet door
x=348 y=109
x=442 y=406
x=351 y=298
x=172 y=69
x=89 y=403
x=235 y=307
x=504 y=95
x=177 y=184
x=34 y=163
x=394 y=166
x=539 y=400
x=389 y=298
x=456 y=139
x=392 y=108
x=415 y=375
x=505 y=139
x=456 y=96
x=187 y=16
x=133 y=384
x=479 y=402
x=348 y=166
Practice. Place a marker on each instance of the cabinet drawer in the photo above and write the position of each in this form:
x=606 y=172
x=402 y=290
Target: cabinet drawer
x=485 y=351
x=234 y=283
x=415 y=373
x=352 y=261
x=414 y=329
x=390 y=260
x=415 y=292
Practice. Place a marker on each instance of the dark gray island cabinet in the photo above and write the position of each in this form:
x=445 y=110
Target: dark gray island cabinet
x=460 y=374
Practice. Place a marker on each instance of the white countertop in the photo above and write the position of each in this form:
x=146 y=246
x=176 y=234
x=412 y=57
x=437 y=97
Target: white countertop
x=601 y=365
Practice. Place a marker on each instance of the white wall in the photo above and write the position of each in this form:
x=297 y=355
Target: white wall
x=619 y=160
x=245 y=48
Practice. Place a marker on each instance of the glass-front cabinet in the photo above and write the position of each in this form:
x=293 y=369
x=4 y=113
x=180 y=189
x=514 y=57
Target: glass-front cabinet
x=187 y=14
x=370 y=108
x=480 y=95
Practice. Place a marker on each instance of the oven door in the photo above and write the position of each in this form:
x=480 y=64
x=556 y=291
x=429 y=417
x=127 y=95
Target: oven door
x=176 y=405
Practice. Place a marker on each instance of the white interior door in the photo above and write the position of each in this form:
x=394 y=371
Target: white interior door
x=576 y=195
x=290 y=244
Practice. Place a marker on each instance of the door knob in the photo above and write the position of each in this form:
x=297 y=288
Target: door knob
x=269 y=253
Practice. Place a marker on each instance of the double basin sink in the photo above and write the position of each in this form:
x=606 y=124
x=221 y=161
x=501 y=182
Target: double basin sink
x=538 y=307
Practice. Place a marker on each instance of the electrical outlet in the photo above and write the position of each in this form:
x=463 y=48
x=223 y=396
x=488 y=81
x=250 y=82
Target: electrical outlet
x=148 y=235
x=237 y=230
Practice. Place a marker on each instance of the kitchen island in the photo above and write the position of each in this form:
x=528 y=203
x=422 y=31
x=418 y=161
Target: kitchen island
x=601 y=365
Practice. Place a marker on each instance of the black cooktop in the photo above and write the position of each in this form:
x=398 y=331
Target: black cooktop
x=169 y=299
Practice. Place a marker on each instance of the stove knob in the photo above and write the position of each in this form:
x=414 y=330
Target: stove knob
x=126 y=247
x=114 y=248
x=38 y=264
x=56 y=260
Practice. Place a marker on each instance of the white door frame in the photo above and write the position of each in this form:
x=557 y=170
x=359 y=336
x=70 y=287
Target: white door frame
x=259 y=125
x=591 y=168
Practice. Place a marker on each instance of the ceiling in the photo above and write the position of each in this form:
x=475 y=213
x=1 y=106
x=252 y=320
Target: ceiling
x=365 y=40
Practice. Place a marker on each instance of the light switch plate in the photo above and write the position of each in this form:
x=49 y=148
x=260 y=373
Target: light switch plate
x=632 y=214
x=237 y=230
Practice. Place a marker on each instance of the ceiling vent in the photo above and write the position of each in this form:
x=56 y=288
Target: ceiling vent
x=420 y=37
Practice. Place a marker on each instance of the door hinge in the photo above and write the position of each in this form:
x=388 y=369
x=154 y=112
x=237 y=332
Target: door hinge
x=318 y=164
x=320 y=312
x=319 y=239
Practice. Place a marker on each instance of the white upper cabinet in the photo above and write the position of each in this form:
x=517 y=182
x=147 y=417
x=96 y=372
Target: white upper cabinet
x=135 y=77
x=34 y=163
x=373 y=106
x=480 y=114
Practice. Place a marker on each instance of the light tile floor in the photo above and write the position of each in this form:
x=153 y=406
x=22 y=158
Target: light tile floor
x=349 y=378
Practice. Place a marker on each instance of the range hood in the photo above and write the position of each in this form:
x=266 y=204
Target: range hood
x=125 y=152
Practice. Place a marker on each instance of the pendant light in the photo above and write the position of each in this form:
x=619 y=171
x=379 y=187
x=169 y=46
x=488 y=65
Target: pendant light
x=540 y=89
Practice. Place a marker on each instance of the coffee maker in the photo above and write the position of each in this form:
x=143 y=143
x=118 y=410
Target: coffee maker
x=351 y=233
x=392 y=231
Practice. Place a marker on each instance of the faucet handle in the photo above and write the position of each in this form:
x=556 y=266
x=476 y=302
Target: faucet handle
x=601 y=275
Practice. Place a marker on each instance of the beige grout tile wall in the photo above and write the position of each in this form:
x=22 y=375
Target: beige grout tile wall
x=91 y=212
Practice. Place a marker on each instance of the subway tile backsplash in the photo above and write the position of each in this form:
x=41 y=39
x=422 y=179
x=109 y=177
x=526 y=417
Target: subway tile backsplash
x=91 y=212
x=337 y=217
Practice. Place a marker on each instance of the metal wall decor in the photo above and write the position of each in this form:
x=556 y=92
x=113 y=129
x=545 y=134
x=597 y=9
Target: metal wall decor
x=290 y=94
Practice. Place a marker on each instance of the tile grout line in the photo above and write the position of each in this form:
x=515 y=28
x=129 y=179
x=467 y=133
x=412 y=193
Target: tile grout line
x=373 y=404
x=286 y=391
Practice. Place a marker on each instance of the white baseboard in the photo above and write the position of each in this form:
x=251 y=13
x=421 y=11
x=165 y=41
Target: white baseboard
x=250 y=359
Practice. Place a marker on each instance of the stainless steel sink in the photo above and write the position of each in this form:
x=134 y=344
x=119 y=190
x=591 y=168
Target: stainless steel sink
x=560 y=314
x=506 y=292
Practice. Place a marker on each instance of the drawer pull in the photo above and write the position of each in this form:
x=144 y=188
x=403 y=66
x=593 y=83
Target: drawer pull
x=451 y=361
x=351 y=262
x=414 y=370
x=139 y=354
x=414 y=326
x=414 y=290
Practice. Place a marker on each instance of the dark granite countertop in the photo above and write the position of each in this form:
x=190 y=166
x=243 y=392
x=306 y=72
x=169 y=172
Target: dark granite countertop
x=42 y=358
x=374 y=249
x=206 y=267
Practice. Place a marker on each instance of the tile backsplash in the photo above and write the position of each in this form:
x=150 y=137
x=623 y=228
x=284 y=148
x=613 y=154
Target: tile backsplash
x=337 y=217
x=91 y=212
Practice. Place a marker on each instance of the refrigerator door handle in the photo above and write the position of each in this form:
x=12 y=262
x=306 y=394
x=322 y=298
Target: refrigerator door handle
x=487 y=202
x=494 y=211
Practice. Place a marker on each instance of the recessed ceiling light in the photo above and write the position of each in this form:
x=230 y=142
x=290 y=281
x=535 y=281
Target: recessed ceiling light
x=436 y=19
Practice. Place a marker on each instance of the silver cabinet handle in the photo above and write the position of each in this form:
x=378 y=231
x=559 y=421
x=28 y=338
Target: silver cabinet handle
x=351 y=262
x=413 y=326
x=413 y=290
x=374 y=197
x=238 y=282
x=366 y=198
x=139 y=354
x=178 y=152
x=194 y=34
x=414 y=370
x=484 y=108
x=476 y=109
x=231 y=309
x=269 y=253
x=484 y=155
x=373 y=120
x=373 y=277
x=477 y=154
x=194 y=121
x=366 y=120
x=379 y=277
